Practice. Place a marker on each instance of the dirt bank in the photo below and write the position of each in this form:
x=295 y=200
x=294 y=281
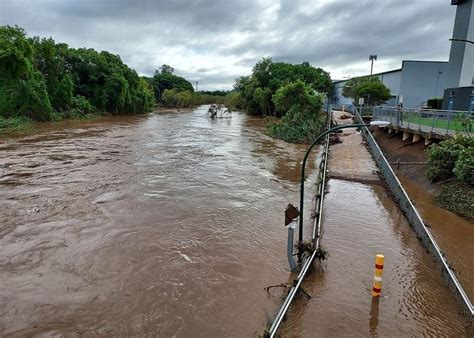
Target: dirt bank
x=410 y=155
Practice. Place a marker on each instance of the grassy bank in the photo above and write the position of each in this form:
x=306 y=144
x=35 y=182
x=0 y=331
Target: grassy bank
x=457 y=198
x=15 y=124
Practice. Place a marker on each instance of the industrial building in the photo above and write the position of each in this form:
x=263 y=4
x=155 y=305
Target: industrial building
x=418 y=81
x=413 y=84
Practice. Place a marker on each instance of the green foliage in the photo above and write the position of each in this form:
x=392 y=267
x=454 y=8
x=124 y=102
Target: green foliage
x=233 y=100
x=300 y=107
x=80 y=105
x=369 y=87
x=43 y=80
x=451 y=157
x=256 y=91
x=435 y=103
x=165 y=79
x=464 y=167
x=457 y=197
x=18 y=123
x=22 y=88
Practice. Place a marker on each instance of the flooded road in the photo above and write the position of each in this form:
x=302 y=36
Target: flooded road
x=361 y=221
x=168 y=224
x=172 y=225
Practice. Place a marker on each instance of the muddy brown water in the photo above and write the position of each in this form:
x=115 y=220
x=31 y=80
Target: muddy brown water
x=172 y=224
x=361 y=221
x=169 y=224
x=454 y=234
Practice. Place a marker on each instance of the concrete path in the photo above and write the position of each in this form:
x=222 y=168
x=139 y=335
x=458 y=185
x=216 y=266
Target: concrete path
x=350 y=160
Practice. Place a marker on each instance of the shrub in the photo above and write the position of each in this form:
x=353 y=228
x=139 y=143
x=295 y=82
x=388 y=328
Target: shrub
x=300 y=107
x=435 y=103
x=464 y=167
x=443 y=158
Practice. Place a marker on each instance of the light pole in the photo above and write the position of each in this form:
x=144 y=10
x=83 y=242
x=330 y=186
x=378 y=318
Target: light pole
x=197 y=86
x=372 y=58
x=303 y=165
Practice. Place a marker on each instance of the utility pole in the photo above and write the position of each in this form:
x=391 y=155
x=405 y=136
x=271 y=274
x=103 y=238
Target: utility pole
x=372 y=58
x=197 y=82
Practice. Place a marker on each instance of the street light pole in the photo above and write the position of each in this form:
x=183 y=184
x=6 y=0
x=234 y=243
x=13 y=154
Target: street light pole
x=305 y=159
x=372 y=58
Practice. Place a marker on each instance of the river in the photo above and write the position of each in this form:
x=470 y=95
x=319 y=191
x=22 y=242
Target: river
x=171 y=224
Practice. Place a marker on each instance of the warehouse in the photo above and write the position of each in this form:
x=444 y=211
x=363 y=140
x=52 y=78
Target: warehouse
x=413 y=84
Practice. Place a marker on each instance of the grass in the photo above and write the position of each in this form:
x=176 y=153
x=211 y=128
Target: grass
x=15 y=124
x=457 y=198
x=454 y=125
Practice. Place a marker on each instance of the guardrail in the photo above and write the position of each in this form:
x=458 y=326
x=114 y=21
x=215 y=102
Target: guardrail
x=442 y=122
x=400 y=196
x=315 y=237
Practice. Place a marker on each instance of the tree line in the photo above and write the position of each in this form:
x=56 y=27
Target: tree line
x=43 y=80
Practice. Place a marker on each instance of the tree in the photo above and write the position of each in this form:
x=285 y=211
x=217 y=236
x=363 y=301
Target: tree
x=41 y=79
x=166 y=69
x=256 y=91
x=22 y=88
x=301 y=107
x=369 y=87
x=165 y=79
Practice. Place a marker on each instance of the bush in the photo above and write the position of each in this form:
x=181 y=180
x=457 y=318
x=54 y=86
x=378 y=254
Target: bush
x=443 y=158
x=18 y=123
x=300 y=107
x=80 y=105
x=464 y=167
x=435 y=103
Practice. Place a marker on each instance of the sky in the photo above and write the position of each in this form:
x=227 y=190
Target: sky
x=215 y=41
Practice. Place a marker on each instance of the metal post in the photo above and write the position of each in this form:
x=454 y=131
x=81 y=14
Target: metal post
x=289 y=250
x=449 y=120
x=433 y=123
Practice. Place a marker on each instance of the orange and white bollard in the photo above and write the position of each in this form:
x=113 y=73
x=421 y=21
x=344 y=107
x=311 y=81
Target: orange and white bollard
x=377 y=288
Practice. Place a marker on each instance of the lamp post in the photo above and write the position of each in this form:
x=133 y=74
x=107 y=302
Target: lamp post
x=305 y=159
x=372 y=58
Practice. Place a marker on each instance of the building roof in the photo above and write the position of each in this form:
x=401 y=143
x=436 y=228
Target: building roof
x=376 y=74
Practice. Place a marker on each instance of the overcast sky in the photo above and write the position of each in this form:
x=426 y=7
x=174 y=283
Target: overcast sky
x=215 y=41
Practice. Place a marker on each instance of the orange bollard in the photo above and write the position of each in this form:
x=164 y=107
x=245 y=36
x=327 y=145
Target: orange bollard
x=377 y=288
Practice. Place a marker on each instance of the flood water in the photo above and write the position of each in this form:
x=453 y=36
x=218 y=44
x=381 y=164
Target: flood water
x=167 y=224
x=453 y=233
x=361 y=221
x=172 y=225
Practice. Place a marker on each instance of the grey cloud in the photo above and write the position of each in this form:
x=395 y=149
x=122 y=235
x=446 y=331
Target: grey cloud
x=214 y=42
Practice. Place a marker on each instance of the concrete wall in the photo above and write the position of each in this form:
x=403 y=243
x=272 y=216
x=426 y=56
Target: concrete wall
x=461 y=65
x=422 y=80
x=461 y=98
x=338 y=98
x=392 y=80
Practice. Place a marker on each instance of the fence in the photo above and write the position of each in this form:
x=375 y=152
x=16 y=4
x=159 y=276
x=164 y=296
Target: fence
x=423 y=234
x=443 y=122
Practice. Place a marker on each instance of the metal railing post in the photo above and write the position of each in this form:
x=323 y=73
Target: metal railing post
x=433 y=123
x=449 y=120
